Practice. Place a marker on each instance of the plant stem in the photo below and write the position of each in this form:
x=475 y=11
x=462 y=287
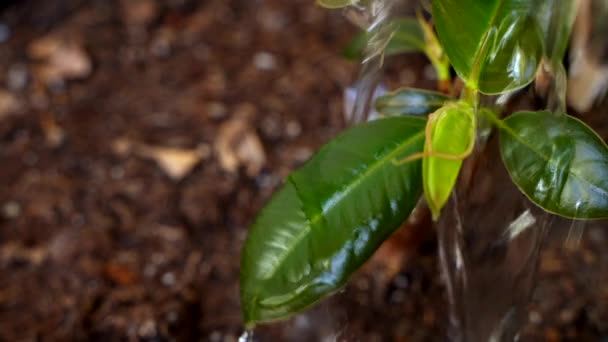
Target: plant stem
x=471 y=96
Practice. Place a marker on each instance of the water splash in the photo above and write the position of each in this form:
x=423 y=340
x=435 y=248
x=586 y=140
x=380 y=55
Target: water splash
x=373 y=16
x=247 y=336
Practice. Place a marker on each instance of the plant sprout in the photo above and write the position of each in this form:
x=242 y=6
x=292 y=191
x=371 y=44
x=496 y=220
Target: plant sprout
x=335 y=211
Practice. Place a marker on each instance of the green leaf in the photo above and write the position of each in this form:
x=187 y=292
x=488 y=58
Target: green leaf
x=336 y=3
x=495 y=46
x=407 y=37
x=408 y=101
x=556 y=19
x=330 y=217
x=452 y=130
x=558 y=162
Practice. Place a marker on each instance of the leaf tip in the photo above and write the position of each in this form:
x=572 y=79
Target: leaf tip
x=435 y=214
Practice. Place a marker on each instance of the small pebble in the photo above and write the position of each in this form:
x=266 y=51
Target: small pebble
x=566 y=316
x=147 y=329
x=11 y=210
x=534 y=317
x=117 y=172
x=271 y=127
x=216 y=110
x=150 y=270
x=168 y=279
x=302 y=154
x=401 y=281
x=302 y=322
x=161 y=46
x=172 y=316
x=264 y=61
x=267 y=180
x=430 y=73
x=272 y=21
x=215 y=336
x=293 y=129
x=17 y=77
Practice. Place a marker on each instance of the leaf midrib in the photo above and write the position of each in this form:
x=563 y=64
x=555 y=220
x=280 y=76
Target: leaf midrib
x=481 y=48
x=547 y=160
x=316 y=218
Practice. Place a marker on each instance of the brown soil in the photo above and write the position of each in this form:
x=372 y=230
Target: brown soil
x=102 y=240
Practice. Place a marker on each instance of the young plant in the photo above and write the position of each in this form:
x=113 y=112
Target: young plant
x=335 y=211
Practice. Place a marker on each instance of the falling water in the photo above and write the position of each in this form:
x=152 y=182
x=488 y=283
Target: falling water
x=373 y=17
x=489 y=237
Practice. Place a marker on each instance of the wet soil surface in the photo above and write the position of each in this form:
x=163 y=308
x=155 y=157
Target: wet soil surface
x=138 y=138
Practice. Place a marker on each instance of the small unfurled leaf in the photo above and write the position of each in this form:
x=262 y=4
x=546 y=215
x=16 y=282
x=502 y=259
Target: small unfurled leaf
x=407 y=36
x=495 y=46
x=452 y=130
x=330 y=217
x=558 y=162
x=556 y=19
x=408 y=101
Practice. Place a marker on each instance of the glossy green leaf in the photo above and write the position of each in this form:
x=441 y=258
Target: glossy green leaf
x=452 y=130
x=558 y=162
x=407 y=37
x=495 y=46
x=408 y=101
x=336 y=3
x=330 y=217
x=556 y=19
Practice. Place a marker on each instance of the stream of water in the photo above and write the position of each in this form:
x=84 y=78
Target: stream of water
x=373 y=17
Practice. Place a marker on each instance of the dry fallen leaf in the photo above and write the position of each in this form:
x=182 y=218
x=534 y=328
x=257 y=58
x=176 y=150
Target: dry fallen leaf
x=176 y=163
x=59 y=59
x=237 y=143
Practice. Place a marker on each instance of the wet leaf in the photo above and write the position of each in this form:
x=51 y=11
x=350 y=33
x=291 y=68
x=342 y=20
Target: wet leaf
x=558 y=162
x=495 y=46
x=452 y=130
x=408 y=101
x=407 y=37
x=329 y=218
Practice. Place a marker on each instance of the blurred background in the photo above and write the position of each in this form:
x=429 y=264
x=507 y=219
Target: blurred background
x=138 y=138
